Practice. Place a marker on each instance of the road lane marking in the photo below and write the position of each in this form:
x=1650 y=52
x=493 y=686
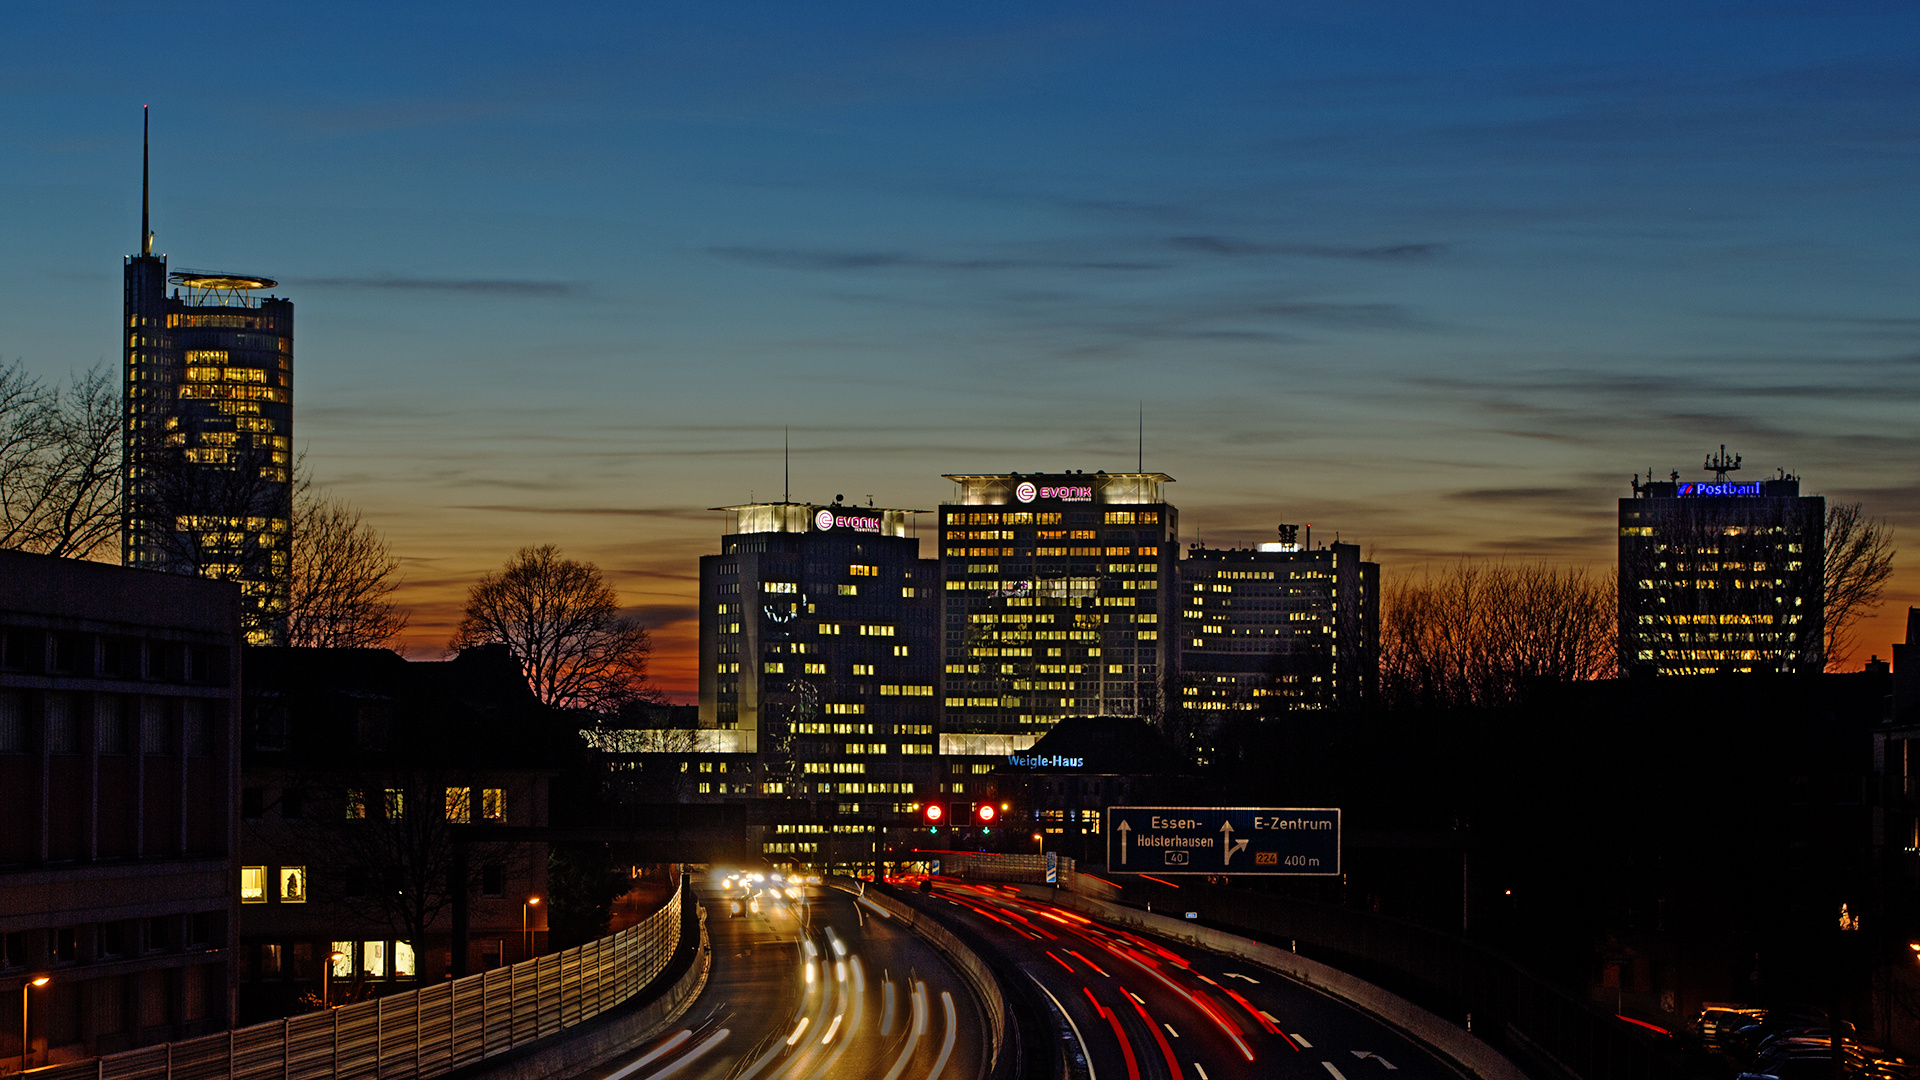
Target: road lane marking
x=1337 y=1074
x=1169 y=1028
x=831 y=1028
x=886 y=1010
x=1071 y=1026
x=801 y=1028
x=1134 y=996
x=1237 y=975
x=692 y=1056
x=1297 y=1037
x=1365 y=1054
x=655 y=1055
x=953 y=1032
x=1201 y=1071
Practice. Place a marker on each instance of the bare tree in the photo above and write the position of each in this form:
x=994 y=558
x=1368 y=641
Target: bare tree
x=1476 y=634
x=562 y=623
x=1859 y=559
x=343 y=576
x=59 y=465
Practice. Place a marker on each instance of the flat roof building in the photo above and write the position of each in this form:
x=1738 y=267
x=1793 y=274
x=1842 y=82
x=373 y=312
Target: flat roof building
x=1057 y=589
x=819 y=656
x=1277 y=627
x=119 y=722
x=1725 y=576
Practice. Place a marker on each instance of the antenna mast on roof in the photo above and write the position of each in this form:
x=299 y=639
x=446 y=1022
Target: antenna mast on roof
x=146 y=232
x=1140 y=465
x=786 y=469
x=1721 y=464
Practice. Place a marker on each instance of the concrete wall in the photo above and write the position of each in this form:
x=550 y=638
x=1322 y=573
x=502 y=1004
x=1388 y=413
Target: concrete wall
x=1450 y=1041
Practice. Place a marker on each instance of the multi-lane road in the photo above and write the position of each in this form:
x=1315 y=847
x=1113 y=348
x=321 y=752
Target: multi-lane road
x=808 y=984
x=1144 y=1008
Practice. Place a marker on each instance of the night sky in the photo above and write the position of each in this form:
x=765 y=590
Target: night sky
x=1438 y=282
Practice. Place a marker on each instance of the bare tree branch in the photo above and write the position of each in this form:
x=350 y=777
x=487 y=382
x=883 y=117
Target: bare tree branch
x=1859 y=561
x=343 y=576
x=59 y=464
x=1477 y=635
x=563 y=625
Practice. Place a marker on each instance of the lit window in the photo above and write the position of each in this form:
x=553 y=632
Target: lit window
x=780 y=587
x=459 y=803
x=863 y=669
x=403 y=959
x=396 y=803
x=857 y=570
x=816 y=669
x=253 y=884
x=356 y=805
x=343 y=962
x=293 y=884
x=899 y=650
x=373 y=958
x=849 y=590
x=493 y=804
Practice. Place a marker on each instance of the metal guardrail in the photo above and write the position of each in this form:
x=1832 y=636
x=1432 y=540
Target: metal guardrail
x=984 y=866
x=420 y=1033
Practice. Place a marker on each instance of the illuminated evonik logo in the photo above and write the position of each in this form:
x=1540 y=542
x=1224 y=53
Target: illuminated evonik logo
x=1025 y=492
x=824 y=520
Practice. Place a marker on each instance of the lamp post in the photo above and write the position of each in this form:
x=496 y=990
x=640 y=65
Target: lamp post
x=25 y=989
x=326 y=978
x=526 y=932
x=1039 y=844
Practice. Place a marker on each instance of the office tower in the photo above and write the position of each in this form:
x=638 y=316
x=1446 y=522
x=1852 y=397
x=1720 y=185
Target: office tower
x=1280 y=626
x=1721 y=577
x=119 y=718
x=817 y=647
x=1057 y=590
x=208 y=436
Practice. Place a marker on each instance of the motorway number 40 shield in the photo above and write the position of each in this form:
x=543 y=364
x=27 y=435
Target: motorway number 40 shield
x=1223 y=840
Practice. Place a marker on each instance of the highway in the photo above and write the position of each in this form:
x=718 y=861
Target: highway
x=807 y=985
x=1144 y=1008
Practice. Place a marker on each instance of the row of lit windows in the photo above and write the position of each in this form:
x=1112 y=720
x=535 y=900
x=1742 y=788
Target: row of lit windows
x=459 y=805
x=881 y=748
x=289 y=884
x=1018 y=517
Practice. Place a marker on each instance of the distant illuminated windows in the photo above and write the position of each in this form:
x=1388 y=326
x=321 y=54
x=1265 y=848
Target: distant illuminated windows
x=869 y=630
x=857 y=570
x=253 y=884
x=293 y=884
x=780 y=587
x=849 y=589
x=845 y=709
x=828 y=629
x=816 y=669
x=863 y=669
x=493 y=804
x=459 y=804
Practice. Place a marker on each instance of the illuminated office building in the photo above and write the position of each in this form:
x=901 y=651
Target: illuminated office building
x=208 y=436
x=818 y=656
x=1057 y=591
x=1721 y=577
x=1280 y=626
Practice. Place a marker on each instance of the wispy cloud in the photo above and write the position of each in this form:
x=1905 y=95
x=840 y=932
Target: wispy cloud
x=1231 y=246
x=848 y=260
x=469 y=286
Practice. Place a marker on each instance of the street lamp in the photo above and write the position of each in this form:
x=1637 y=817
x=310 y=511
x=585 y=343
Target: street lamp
x=1039 y=844
x=25 y=987
x=526 y=933
x=326 y=978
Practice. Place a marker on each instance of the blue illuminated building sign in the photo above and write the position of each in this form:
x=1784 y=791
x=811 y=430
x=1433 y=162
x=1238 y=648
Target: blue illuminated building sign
x=1712 y=490
x=1045 y=761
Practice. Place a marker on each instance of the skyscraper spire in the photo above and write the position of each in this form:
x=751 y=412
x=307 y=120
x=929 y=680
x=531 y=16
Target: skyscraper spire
x=146 y=231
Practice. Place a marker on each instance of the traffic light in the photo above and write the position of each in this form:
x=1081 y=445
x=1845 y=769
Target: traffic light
x=985 y=813
x=935 y=815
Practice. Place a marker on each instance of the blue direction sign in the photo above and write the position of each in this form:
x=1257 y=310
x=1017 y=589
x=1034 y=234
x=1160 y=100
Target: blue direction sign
x=1222 y=840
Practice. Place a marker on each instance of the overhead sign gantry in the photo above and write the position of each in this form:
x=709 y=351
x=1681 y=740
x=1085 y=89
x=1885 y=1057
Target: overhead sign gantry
x=1223 y=840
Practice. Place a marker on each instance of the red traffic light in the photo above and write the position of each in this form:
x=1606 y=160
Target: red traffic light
x=935 y=812
x=986 y=813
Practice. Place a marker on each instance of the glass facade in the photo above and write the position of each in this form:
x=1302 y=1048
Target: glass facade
x=208 y=381
x=1722 y=577
x=1055 y=594
x=819 y=656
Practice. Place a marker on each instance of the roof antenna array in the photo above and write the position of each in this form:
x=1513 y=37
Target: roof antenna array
x=1721 y=464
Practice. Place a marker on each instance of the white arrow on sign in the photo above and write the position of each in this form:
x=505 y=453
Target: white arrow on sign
x=1229 y=843
x=1237 y=975
x=1365 y=1054
x=1123 y=829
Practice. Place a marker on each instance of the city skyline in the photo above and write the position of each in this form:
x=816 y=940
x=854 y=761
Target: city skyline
x=1439 y=286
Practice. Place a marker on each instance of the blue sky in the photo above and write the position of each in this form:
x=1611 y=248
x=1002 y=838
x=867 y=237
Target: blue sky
x=1439 y=279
